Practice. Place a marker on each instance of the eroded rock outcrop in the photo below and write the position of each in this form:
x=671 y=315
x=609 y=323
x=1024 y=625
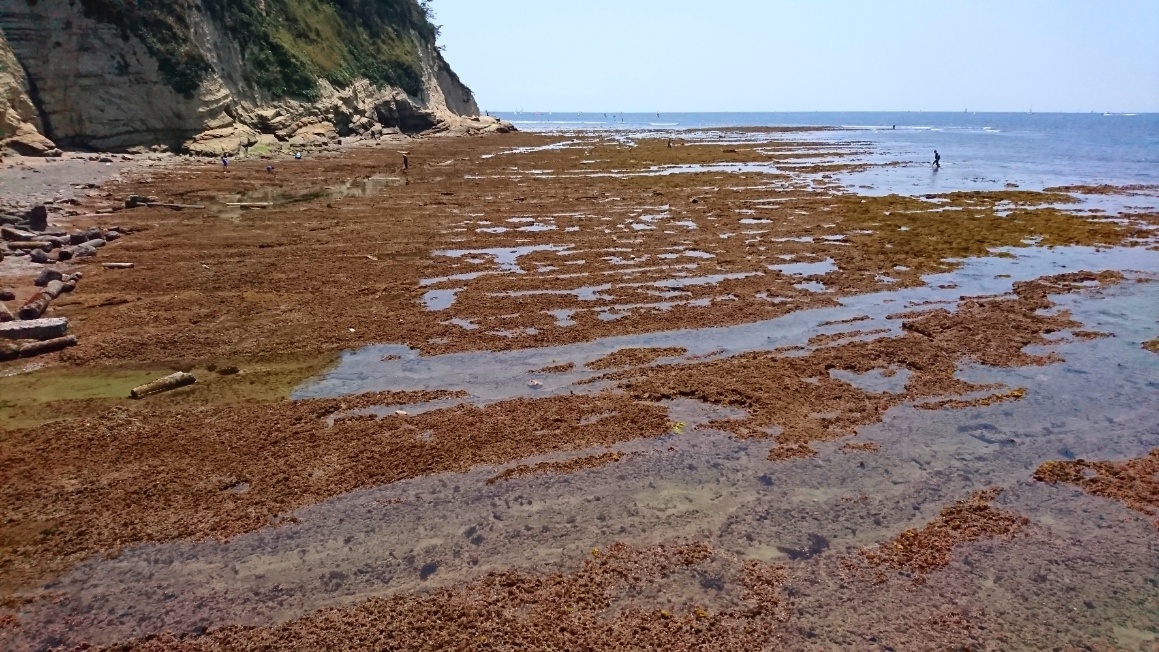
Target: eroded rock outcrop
x=183 y=75
x=20 y=128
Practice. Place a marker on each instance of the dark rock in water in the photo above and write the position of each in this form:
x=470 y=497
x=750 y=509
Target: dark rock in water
x=712 y=583
x=817 y=545
x=37 y=218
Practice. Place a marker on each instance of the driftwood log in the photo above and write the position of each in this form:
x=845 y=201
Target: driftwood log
x=30 y=349
x=179 y=379
x=14 y=234
x=117 y=265
x=40 y=301
x=34 y=329
x=31 y=244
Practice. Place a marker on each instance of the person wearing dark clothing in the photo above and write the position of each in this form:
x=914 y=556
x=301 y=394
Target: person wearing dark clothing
x=937 y=159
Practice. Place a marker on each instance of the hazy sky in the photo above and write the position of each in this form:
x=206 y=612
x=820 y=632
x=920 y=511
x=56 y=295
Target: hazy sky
x=806 y=55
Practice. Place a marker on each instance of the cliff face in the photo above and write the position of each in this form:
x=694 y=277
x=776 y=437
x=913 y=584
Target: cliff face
x=19 y=120
x=215 y=76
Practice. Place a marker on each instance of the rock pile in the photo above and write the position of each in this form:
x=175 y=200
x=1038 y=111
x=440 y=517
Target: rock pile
x=29 y=235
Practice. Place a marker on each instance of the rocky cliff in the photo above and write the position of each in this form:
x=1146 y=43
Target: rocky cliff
x=217 y=76
x=19 y=120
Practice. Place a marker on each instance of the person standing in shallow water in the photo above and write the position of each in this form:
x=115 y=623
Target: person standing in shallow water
x=937 y=159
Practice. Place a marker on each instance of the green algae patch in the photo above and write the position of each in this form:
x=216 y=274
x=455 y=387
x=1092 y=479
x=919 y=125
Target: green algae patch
x=40 y=396
x=919 y=234
x=654 y=153
x=1016 y=197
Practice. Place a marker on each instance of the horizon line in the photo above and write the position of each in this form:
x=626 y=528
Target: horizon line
x=662 y=112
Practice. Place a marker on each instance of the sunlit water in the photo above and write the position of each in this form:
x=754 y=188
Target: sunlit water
x=445 y=529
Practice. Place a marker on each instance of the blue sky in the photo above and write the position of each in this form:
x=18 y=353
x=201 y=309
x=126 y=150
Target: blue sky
x=808 y=55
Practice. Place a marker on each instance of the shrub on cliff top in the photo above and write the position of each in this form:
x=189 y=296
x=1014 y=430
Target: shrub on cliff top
x=287 y=45
x=165 y=33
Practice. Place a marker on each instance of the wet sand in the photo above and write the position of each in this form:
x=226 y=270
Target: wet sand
x=478 y=395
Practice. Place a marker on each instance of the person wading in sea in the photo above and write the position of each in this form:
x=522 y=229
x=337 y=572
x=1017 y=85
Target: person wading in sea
x=937 y=159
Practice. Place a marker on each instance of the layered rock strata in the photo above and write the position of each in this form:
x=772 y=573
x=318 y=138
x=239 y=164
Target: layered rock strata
x=90 y=84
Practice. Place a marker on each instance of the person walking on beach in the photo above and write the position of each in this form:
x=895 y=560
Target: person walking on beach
x=937 y=160
x=224 y=163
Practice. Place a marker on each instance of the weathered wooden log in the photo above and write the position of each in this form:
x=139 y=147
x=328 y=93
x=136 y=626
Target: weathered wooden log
x=13 y=234
x=29 y=245
x=117 y=265
x=47 y=346
x=34 y=329
x=134 y=201
x=36 y=306
x=179 y=379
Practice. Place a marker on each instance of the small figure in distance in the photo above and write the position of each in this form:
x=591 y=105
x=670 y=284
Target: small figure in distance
x=298 y=156
x=269 y=169
x=405 y=163
x=937 y=160
x=224 y=163
x=894 y=128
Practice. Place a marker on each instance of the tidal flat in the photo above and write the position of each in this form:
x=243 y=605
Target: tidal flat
x=594 y=390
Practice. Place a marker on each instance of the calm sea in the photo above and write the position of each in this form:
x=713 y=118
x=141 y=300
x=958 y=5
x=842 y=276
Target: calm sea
x=979 y=150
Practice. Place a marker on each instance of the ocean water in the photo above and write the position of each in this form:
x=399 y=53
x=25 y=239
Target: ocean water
x=979 y=150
